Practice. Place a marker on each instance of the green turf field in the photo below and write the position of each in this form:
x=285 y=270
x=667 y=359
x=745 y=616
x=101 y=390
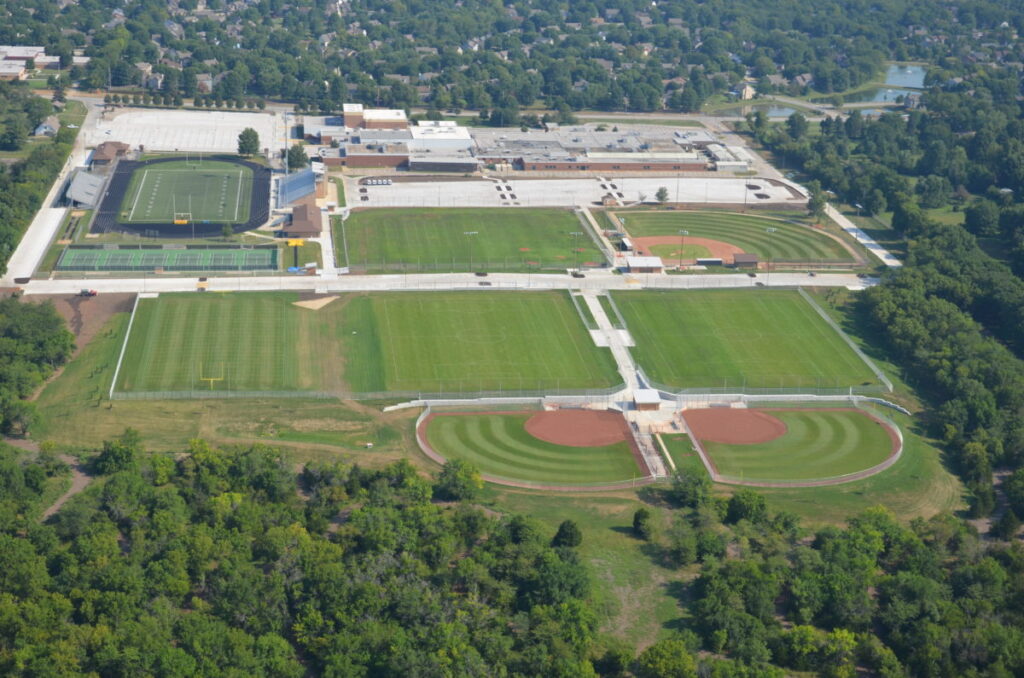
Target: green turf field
x=431 y=342
x=499 y=445
x=208 y=190
x=789 y=242
x=817 y=444
x=748 y=338
x=434 y=239
x=135 y=259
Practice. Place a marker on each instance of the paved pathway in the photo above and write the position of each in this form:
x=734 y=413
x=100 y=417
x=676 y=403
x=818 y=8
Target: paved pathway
x=863 y=238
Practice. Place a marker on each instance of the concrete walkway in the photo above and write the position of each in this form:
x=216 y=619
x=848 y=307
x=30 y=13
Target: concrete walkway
x=863 y=238
x=627 y=369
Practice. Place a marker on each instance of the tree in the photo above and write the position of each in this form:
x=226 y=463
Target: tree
x=458 y=481
x=297 y=158
x=747 y=504
x=1007 y=525
x=874 y=202
x=667 y=658
x=642 y=524
x=568 y=534
x=119 y=454
x=982 y=217
x=817 y=201
x=797 y=125
x=248 y=142
x=662 y=195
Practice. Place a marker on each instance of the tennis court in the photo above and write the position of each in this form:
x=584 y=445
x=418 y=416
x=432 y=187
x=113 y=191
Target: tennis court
x=188 y=191
x=220 y=259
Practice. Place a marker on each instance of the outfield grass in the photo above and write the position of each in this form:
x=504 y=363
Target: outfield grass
x=435 y=341
x=817 y=444
x=434 y=239
x=789 y=242
x=737 y=338
x=499 y=445
x=209 y=190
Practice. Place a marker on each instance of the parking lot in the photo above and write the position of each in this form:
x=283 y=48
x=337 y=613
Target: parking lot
x=163 y=130
x=586 y=191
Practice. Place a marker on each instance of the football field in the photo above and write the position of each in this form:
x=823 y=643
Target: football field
x=410 y=342
x=195 y=191
x=464 y=239
x=738 y=339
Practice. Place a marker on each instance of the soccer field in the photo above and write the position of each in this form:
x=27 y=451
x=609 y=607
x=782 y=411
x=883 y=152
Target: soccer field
x=198 y=191
x=437 y=239
x=738 y=339
x=787 y=242
x=429 y=342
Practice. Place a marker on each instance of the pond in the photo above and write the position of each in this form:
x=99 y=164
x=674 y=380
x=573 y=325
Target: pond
x=875 y=95
x=771 y=110
x=904 y=75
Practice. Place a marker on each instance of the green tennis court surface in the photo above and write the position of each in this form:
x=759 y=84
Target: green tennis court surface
x=196 y=191
x=238 y=259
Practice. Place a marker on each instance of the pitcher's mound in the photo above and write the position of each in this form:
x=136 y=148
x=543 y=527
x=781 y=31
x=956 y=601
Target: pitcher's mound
x=315 y=304
x=578 y=428
x=734 y=426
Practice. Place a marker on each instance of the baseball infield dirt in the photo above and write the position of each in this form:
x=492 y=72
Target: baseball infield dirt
x=734 y=426
x=716 y=248
x=578 y=428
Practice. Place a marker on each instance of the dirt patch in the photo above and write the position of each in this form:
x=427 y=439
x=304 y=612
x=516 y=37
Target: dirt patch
x=716 y=248
x=85 y=316
x=578 y=428
x=734 y=426
x=315 y=304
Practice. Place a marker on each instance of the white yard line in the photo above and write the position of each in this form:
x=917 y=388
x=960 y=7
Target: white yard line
x=238 y=198
x=142 y=184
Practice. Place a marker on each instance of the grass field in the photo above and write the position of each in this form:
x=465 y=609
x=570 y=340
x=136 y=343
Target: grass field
x=208 y=190
x=789 y=242
x=739 y=338
x=499 y=445
x=452 y=342
x=436 y=239
x=817 y=444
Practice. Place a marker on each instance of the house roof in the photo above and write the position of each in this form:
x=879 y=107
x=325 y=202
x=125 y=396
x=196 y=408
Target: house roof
x=306 y=220
x=109 y=150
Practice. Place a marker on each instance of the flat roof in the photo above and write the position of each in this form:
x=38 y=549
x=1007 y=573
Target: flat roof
x=452 y=132
x=351 y=108
x=383 y=114
x=12 y=67
x=21 y=51
x=644 y=262
x=646 y=396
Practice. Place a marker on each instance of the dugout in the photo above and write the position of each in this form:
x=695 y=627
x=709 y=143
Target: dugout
x=647 y=399
x=744 y=260
x=644 y=265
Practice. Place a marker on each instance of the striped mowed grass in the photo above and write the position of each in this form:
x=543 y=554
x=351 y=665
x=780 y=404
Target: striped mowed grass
x=499 y=445
x=502 y=239
x=430 y=342
x=818 y=444
x=749 y=338
x=788 y=241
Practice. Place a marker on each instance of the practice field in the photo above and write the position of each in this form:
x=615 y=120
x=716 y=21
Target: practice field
x=789 y=445
x=738 y=339
x=501 y=446
x=437 y=239
x=788 y=242
x=192 y=190
x=135 y=259
x=400 y=342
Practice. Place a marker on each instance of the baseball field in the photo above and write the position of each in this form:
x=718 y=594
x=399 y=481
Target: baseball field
x=787 y=445
x=748 y=338
x=768 y=238
x=438 y=239
x=530 y=447
x=430 y=342
x=205 y=190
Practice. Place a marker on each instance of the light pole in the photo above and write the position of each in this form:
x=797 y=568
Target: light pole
x=575 y=242
x=682 y=244
x=769 y=231
x=469 y=235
